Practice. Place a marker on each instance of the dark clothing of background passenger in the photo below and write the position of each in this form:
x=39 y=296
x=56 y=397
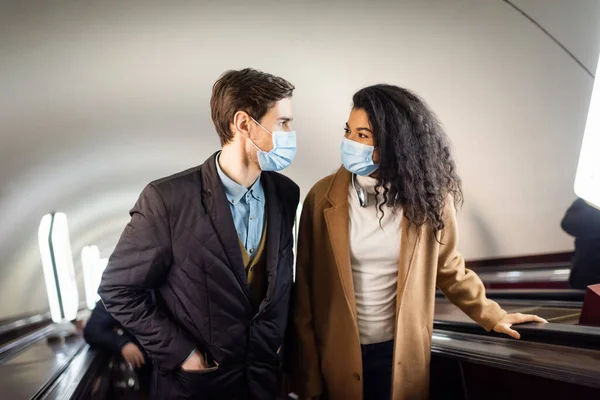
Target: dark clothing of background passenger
x=583 y=222
x=103 y=332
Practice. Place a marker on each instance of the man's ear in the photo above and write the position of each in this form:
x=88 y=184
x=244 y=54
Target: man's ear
x=242 y=123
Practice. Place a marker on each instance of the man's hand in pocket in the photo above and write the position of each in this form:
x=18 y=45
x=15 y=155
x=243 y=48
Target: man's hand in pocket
x=195 y=362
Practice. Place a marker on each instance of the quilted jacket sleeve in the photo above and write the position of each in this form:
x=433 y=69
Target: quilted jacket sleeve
x=140 y=262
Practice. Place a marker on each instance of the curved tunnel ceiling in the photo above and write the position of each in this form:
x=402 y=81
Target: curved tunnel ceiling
x=98 y=99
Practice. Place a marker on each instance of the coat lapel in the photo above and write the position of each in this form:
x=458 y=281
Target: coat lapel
x=338 y=228
x=217 y=208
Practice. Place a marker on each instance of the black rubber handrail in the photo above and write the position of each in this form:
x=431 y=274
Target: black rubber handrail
x=561 y=363
x=23 y=321
x=51 y=383
x=14 y=328
x=10 y=349
x=522 y=267
x=74 y=381
x=572 y=295
x=553 y=333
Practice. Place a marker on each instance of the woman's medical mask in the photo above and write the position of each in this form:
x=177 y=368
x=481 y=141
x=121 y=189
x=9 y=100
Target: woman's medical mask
x=358 y=158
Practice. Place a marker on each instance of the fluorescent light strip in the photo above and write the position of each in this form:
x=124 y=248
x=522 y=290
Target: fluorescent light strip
x=93 y=267
x=587 y=180
x=89 y=258
x=57 y=263
x=50 y=277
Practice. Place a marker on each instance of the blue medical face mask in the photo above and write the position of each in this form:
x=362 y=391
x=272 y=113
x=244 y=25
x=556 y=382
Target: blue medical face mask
x=283 y=153
x=358 y=158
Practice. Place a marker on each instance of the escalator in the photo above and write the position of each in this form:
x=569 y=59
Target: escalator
x=36 y=365
x=558 y=360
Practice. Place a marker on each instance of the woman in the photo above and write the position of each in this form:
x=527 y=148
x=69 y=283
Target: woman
x=375 y=239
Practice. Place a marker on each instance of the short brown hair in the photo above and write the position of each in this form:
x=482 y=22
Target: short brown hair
x=246 y=90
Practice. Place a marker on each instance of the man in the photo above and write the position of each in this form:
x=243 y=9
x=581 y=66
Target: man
x=583 y=222
x=103 y=332
x=215 y=245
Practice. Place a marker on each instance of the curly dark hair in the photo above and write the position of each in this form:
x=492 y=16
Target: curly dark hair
x=416 y=169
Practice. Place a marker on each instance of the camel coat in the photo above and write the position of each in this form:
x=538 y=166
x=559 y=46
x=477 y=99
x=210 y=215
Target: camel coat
x=326 y=350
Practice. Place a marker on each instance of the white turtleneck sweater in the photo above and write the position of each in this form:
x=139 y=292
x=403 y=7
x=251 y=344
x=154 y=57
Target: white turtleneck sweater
x=374 y=256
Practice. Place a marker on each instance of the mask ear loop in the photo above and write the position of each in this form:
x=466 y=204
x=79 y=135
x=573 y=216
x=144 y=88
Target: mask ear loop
x=254 y=144
x=258 y=123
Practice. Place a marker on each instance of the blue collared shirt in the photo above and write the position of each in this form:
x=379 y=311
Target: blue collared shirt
x=247 y=208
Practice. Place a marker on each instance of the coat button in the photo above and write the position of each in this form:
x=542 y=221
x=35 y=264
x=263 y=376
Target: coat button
x=357 y=376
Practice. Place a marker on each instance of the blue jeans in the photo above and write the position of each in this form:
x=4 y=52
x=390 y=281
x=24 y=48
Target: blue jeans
x=378 y=361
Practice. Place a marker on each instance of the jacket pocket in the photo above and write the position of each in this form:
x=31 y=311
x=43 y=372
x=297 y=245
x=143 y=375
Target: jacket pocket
x=205 y=383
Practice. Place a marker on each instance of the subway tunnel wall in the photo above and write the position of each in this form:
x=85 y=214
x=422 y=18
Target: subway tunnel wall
x=99 y=98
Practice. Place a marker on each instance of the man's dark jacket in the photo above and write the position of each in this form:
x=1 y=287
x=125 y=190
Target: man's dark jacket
x=181 y=242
